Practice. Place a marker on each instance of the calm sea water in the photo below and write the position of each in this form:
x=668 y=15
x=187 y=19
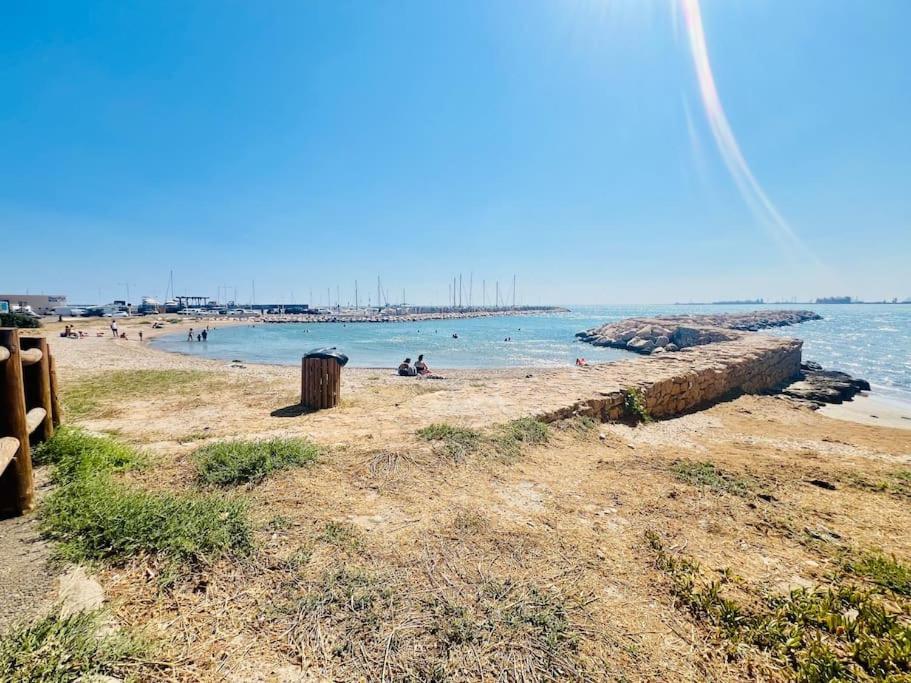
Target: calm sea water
x=869 y=341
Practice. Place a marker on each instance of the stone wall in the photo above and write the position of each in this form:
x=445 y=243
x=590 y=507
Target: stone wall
x=674 y=383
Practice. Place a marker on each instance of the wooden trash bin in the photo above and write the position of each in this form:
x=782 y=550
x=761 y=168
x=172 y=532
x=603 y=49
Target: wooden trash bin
x=321 y=378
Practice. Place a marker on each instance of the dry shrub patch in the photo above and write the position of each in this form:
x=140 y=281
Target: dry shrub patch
x=709 y=475
x=378 y=625
x=229 y=463
x=505 y=440
x=846 y=631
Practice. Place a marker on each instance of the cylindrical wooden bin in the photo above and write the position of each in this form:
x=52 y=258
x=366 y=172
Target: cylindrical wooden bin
x=321 y=378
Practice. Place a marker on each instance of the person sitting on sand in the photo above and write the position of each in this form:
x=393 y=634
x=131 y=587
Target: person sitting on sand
x=66 y=332
x=421 y=367
x=405 y=369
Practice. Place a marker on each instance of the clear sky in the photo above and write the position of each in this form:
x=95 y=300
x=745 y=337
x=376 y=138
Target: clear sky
x=581 y=145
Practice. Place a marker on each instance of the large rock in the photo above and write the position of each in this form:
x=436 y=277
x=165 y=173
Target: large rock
x=820 y=386
x=640 y=345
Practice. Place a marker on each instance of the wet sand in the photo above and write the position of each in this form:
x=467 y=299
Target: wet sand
x=872 y=409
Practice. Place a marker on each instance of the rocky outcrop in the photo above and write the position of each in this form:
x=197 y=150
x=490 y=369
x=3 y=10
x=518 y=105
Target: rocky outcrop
x=818 y=387
x=672 y=333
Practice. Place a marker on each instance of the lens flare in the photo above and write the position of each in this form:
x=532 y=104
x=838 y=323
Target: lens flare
x=750 y=189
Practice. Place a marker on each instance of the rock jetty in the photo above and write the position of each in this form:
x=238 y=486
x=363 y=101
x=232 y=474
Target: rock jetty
x=671 y=333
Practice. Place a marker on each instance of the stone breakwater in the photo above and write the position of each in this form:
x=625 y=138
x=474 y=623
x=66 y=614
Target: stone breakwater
x=673 y=383
x=407 y=317
x=675 y=332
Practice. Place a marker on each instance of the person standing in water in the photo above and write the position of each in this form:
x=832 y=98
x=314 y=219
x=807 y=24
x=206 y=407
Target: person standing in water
x=190 y=335
x=205 y=334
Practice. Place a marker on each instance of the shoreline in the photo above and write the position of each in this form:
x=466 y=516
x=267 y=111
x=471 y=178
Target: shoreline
x=872 y=409
x=889 y=410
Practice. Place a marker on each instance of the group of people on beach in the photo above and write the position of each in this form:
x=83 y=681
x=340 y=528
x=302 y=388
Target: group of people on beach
x=69 y=332
x=419 y=369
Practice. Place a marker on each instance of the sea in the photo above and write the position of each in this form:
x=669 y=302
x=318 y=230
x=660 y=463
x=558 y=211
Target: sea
x=872 y=341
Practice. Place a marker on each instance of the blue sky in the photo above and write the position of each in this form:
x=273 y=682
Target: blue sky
x=304 y=145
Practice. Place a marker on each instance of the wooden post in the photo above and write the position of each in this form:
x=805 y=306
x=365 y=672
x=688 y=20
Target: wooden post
x=55 y=394
x=13 y=422
x=38 y=385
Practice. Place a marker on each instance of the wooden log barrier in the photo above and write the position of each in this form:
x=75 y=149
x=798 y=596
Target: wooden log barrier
x=17 y=490
x=8 y=448
x=34 y=419
x=37 y=377
x=29 y=356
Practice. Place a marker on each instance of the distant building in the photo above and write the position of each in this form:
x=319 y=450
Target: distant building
x=42 y=304
x=834 y=300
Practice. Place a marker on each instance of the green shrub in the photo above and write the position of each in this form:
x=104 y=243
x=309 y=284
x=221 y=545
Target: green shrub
x=16 y=319
x=883 y=571
x=76 y=454
x=236 y=462
x=100 y=519
x=837 y=633
x=63 y=649
x=634 y=405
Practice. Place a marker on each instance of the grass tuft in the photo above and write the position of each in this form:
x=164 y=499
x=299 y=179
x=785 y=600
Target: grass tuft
x=76 y=454
x=230 y=463
x=94 y=516
x=343 y=535
x=507 y=439
x=457 y=442
x=710 y=476
x=99 y=519
x=58 y=649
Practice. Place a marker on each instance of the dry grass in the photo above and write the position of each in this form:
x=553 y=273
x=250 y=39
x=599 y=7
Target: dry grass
x=108 y=394
x=388 y=561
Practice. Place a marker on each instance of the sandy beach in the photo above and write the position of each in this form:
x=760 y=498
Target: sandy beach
x=871 y=409
x=568 y=518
